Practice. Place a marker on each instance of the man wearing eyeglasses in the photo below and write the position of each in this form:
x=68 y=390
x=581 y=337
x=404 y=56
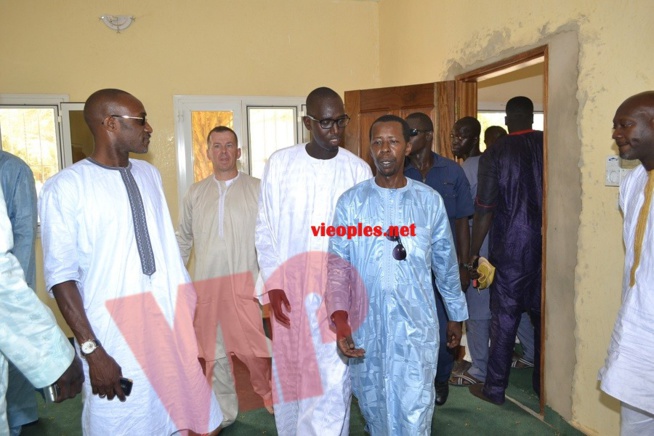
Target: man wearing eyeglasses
x=379 y=290
x=299 y=189
x=448 y=179
x=113 y=264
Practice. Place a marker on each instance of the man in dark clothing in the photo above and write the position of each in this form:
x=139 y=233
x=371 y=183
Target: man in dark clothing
x=448 y=179
x=509 y=204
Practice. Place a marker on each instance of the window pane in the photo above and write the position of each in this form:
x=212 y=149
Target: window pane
x=30 y=133
x=81 y=137
x=269 y=129
x=201 y=124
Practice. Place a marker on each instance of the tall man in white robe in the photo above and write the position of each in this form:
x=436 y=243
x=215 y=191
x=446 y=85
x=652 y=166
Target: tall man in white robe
x=379 y=290
x=299 y=190
x=627 y=373
x=112 y=262
x=29 y=334
x=217 y=220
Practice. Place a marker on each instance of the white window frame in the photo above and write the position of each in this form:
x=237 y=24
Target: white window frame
x=66 y=108
x=184 y=105
x=64 y=153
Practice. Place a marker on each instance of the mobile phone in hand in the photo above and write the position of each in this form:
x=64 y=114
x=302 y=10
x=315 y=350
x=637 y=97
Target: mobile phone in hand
x=126 y=385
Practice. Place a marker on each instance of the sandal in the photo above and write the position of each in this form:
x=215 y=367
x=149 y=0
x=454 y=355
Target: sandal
x=464 y=379
x=460 y=367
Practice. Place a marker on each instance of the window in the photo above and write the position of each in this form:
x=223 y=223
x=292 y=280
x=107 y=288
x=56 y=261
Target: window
x=262 y=124
x=269 y=129
x=29 y=129
x=202 y=122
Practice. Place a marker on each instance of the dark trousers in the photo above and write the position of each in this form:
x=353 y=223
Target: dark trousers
x=504 y=325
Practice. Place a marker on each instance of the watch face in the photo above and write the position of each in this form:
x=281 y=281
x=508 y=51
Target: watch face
x=88 y=347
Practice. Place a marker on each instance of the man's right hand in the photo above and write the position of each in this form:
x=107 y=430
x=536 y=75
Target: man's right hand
x=105 y=375
x=71 y=381
x=344 y=335
x=277 y=298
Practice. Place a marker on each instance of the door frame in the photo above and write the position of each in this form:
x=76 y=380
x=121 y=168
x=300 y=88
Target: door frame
x=467 y=106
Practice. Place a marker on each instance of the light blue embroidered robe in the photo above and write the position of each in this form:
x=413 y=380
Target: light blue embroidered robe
x=392 y=308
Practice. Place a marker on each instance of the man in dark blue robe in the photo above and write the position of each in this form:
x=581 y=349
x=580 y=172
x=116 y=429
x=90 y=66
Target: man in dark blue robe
x=509 y=204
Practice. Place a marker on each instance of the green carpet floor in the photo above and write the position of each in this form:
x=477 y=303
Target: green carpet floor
x=463 y=414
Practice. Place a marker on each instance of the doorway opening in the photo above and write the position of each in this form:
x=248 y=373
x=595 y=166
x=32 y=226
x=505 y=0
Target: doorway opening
x=524 y=74
x=450 y=100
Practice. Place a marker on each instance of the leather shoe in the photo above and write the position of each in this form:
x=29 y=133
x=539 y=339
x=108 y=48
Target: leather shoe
x=442 y=391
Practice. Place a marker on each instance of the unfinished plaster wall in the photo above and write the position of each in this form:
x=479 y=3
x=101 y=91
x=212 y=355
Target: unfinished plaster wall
x=424 y=40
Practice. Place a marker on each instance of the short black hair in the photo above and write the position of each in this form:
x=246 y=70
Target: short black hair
x=406 y=130
x=221 y=129
x=499 y=131
x=100 y=104
x=315 y=98
x=470 y=122
x=424 y=118
x=519 y=106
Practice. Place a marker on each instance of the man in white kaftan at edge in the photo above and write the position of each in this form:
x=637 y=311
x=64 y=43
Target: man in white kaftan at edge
x=217 y=221
x=299 y=189
x=627 y=373
x=379 y=290
x=29 y=335
x=112 y=262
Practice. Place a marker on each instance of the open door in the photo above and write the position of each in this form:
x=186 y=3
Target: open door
x=444 y=102
x=532 y=57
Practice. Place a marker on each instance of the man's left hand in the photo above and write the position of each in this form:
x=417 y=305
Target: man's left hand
x=454 y=332
x=473 y=274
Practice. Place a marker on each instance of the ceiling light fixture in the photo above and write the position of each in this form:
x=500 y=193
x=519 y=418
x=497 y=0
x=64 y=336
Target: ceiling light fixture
x=117 y=22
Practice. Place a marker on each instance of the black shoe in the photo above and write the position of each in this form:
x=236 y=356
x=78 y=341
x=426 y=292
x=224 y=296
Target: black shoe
x=442 y=391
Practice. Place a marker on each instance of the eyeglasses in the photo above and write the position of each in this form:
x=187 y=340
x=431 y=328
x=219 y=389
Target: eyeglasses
x=399 y=252
x=416 y=132
x=327 y=123
x=142 y=120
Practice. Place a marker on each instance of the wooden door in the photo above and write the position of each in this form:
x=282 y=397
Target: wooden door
x=438 y=100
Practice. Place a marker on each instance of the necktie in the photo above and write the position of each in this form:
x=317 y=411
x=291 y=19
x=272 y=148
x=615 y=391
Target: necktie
x=641 y=224
x=140 y=226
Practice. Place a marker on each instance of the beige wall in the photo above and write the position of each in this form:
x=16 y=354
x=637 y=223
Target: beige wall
x=204 y=47
x=426 y=40
x=288 y=47
x=207 y=47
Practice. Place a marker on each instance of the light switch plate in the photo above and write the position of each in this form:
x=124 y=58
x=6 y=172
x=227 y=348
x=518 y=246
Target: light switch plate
x=612 y=176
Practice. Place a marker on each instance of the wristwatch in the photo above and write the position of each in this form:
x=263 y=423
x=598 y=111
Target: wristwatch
x=88 y=347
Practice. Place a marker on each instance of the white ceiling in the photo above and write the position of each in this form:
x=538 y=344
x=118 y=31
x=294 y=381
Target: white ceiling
x=493 y=93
